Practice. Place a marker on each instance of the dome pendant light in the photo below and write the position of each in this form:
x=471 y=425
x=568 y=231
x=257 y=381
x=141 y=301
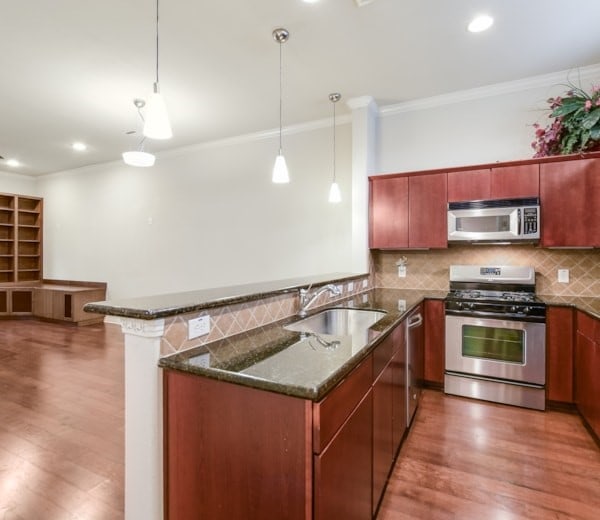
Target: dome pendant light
x=280 y=171
x=157 y=125
x=139 y=157
x=335 y=195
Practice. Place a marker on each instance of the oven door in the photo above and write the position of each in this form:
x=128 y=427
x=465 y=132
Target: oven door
x=496 y=348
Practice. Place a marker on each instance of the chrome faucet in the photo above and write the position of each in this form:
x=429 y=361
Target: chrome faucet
x=307 y=298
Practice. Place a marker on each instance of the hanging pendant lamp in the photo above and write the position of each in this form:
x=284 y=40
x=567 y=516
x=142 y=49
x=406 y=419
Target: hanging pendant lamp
x=335 y=194
x=280 y=171
x=157 y=125
x=139 y=157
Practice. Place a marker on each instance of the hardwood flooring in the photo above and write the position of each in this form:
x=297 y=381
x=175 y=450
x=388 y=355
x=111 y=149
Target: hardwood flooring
x=61 y=442
x=61 y=421
x=466 y=459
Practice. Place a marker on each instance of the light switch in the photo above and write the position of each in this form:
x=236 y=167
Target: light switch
x=563 y=276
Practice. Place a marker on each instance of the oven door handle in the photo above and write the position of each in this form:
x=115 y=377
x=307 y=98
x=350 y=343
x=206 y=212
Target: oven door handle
x=415 y=321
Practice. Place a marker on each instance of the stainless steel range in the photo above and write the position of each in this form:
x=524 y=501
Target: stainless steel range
x=495 y=335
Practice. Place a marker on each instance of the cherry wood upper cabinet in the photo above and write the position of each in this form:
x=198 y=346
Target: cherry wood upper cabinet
x=502 y=182
x=469 y=185
x=428 y=211
x=513 y=182
x=570 y=203
x=388 y=209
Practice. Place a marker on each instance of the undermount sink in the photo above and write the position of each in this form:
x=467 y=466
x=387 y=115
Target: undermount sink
x=337 y=322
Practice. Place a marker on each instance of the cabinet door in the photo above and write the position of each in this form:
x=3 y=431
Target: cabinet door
x=383 y=446
x=511 y=182
x=435 y=354
x=559 y=354
x=428 y=211
x=587 y=382
x=343 y=470
x=570 y=203
x=399 y=390
x=388 y=226
x=4 y=302
x=469 y=185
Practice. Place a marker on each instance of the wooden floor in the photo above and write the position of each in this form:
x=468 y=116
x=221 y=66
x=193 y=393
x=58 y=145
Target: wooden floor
x=61 y=422
x=61 y=442
x=466 y=459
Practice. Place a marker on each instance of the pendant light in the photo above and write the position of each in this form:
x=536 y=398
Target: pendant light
x=157 y=124
x=335 y=195
x=280 y=171
x=139 y=157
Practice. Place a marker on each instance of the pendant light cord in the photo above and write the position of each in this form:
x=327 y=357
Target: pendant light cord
x=280 y=96
x=156 y=84
x=334 y=142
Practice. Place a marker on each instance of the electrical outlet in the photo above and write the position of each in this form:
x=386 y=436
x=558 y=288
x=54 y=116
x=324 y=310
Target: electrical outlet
x=401 y=305
x=203 y=360
x=198 y=327
x=401 y=271
x=563 y=276
x=350 y=287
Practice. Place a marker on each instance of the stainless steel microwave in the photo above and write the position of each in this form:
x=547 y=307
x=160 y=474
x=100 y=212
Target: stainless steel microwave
x=503 y=220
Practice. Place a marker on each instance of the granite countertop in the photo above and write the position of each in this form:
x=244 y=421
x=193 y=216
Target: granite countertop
x=275 y=359
x=172 y=304
x=588 y=304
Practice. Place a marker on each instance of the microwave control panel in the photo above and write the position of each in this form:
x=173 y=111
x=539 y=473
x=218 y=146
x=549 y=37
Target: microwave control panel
x=530 y=221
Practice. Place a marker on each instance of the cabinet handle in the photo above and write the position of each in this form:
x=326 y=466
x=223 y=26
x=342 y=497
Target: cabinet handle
x=415 y=321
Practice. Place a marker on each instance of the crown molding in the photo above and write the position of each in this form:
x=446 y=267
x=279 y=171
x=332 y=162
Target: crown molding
x=557 y=78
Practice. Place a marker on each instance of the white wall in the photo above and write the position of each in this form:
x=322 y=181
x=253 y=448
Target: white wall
x=472 y=127
x=216 y=217
x=17 y=184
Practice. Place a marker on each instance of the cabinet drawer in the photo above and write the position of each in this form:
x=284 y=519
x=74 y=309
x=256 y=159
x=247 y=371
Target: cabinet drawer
x=330 y=413
x=588 y=326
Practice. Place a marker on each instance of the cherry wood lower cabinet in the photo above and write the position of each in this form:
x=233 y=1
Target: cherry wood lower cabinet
x=559 y=353
x=587 y=370
x=236 y=452
x=435 y=341
x=233 y=452
x=343 y=470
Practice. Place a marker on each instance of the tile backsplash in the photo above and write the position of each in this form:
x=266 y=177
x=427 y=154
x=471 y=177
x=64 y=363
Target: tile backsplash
x=429 y=269
x=229 y=320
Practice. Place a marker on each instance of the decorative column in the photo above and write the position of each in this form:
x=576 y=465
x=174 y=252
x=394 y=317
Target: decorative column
x=364 y=147
x=143 y=419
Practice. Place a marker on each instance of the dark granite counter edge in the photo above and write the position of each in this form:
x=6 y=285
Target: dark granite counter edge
x=383 y=327
x=156 y=307
x=577 y=305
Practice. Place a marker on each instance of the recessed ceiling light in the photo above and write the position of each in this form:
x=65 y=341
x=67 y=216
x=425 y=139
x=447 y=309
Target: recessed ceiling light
x=310 y=1
x=80 y=147
x=480 y=23
x=13 y=163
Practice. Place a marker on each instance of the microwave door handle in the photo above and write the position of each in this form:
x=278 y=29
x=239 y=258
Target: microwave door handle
x=519 y=229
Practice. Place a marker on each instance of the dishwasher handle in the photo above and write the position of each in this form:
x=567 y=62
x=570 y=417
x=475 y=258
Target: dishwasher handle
x=415 y=321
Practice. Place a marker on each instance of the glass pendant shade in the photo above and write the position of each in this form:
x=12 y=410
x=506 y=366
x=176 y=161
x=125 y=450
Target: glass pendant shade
x=335 y=195
x=157 y=125
x=139 y=158
x=280 y=171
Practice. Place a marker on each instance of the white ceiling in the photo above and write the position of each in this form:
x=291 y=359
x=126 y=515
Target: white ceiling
x=71 y=68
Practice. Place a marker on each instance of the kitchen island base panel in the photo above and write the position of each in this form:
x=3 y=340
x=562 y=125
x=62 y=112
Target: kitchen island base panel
x=259 y=460
x=527 y=396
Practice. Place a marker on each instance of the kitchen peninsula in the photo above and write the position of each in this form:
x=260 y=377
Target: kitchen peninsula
x=280 y=413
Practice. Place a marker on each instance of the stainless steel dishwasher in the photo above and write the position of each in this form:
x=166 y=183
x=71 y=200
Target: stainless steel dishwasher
x=415 y=363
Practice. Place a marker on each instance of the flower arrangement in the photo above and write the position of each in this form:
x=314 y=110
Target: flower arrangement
x=575 y=127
